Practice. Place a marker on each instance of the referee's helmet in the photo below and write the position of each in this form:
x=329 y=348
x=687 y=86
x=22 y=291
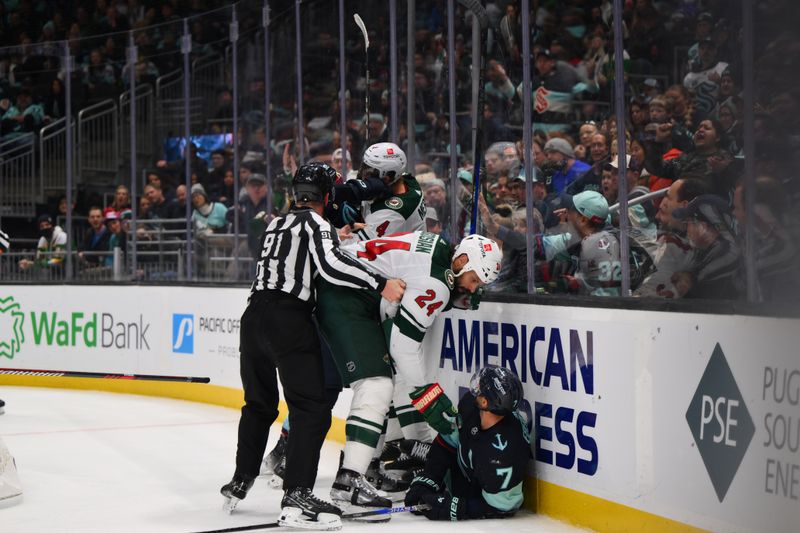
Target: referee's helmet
x=312 y=182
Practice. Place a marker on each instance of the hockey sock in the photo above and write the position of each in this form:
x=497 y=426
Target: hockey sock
x=365 y=422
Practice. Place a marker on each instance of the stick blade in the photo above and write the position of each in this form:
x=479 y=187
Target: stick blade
x=362 y=27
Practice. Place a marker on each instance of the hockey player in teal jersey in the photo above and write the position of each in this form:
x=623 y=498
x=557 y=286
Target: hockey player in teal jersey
x=476 y=470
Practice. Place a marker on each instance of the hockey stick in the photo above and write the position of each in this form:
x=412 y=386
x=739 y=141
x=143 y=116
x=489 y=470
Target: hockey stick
x=363 y=28
x=101 y=375
x=480 y=14
x=376 y=512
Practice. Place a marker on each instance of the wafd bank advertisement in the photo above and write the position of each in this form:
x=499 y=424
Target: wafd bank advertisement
x=146 y=330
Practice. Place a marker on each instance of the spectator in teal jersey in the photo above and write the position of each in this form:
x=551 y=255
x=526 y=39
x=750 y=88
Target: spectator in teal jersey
x=23 y=117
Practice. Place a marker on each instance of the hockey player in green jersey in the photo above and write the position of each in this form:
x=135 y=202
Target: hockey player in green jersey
x=377 y=347
x=404 y=210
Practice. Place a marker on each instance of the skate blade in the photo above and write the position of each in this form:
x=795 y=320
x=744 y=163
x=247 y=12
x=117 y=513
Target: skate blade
x=396 y=496
x=230 y=504
x=294 y=518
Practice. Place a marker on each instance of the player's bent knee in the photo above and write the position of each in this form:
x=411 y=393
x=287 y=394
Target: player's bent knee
x=372 y=394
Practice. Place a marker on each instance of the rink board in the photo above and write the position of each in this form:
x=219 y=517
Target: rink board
x=641 y=421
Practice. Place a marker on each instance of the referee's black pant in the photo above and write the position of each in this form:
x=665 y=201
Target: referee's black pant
x=277 y=333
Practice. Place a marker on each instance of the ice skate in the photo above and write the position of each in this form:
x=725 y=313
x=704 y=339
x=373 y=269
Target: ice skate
x=354 y=493
x=2 y=407
x=391 y=451
x=412 y=456
x=278 y=473
x=394 y=487
x=274 y=457
x=235 y=491
x=301 y=509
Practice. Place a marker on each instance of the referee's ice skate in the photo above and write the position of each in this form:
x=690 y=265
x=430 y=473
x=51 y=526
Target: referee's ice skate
x=301 y=509
x=354 y=493
x=274 y=457
x=235 y=491
x=278 y=473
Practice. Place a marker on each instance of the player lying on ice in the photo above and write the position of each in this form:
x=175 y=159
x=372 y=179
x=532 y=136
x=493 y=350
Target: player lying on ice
x=475 y=468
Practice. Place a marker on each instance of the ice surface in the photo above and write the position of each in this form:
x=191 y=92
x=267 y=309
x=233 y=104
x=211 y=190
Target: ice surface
x=105 y=462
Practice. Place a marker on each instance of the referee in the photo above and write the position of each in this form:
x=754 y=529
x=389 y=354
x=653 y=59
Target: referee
x=277 y=332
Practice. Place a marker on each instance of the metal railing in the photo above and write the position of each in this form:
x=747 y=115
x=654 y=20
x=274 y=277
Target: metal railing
x=32 y=266
x=19 y=188
x=98 y=141
x=146 y=142
x=53 y=156
x=208 y=76
x=169 y=104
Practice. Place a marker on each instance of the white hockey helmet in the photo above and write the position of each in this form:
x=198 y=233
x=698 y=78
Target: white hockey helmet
x=483 y=256
x=388 y=159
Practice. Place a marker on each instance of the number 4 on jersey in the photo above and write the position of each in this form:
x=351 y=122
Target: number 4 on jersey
x=427 y=297
x=376 y=247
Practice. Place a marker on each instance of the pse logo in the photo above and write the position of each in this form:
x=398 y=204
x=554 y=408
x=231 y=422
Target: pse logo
x=721 y=426
x=182 y=333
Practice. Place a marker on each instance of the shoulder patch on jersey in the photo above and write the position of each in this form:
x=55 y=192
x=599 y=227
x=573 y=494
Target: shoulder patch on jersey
x=603 y=244
x=395 y=203
x=450 y=279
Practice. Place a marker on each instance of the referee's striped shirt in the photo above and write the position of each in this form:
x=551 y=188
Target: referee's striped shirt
x=300 y=245
x=5 y=241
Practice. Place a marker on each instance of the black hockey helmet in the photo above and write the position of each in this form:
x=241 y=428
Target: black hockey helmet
x=312 y=182
x=500 y=386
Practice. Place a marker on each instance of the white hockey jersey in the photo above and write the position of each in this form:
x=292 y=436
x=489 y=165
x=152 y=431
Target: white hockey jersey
x=396 y=214
x=423 y=261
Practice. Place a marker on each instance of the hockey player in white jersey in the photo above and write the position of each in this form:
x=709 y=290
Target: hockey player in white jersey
x=384 y=363
x=404 y=210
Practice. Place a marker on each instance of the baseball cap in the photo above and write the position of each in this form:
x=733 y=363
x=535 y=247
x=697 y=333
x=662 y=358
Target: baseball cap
x=708 y=208
x=590 y=204
x=651 y=82
x=337 y=154
x=112 y=215
x=561 y=146
x=44 y=218
x=260 y=179
x=705 y=16
x=707 y=40
x=465 y=175
x=546 y=53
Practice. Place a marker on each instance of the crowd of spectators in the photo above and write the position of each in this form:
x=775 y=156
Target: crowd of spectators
x=683 y=133
x=32 y=73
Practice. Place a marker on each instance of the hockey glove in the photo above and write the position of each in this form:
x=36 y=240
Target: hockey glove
x=444 y=507
x=436 y=407
x=349 y=214
x=420 y=487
